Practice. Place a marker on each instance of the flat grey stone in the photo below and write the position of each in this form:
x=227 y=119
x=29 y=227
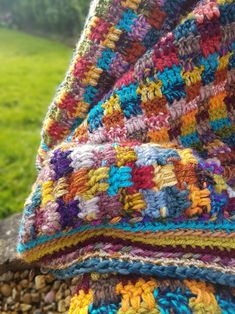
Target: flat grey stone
x=9 y=229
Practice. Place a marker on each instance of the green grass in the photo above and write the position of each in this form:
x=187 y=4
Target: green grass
x=30 y=70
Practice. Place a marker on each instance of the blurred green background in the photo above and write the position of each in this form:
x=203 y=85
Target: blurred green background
x=36 y=43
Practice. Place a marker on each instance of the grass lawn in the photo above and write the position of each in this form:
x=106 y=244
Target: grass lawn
x=31 y=68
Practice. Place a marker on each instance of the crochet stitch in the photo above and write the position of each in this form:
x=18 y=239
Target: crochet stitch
x=136 y=163
x=149 y=296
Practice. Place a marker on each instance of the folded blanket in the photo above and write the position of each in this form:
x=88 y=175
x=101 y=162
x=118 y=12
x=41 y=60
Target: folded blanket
x=135 y=190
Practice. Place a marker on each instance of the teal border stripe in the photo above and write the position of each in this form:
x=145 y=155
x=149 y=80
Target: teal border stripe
x=227 y=226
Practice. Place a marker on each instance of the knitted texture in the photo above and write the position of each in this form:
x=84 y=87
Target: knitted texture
x=136 y=164
x=150 y=296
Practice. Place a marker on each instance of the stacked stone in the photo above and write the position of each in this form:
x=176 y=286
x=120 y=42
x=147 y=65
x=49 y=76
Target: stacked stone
x=32 y=292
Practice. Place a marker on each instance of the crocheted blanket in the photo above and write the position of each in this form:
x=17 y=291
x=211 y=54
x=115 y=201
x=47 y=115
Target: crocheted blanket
x=136 y=164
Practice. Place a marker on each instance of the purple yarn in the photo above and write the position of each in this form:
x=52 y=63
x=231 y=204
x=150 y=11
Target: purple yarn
x=68 y=213
x=61 y=163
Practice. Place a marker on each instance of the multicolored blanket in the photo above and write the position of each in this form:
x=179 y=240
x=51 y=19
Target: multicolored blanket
x=136 y=164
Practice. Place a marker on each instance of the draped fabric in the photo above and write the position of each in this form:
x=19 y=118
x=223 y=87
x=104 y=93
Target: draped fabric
x=136 y=180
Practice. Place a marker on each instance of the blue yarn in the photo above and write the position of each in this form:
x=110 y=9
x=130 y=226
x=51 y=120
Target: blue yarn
x=174 y=302
x=35 y=201
x=127 y=20
x=183 y=30
x=231 y=64
x=150 y=198
x=189 y=140
x=220 y=123
x=151 y=37
x=106 y=59
x=227 y=305
x=171 y=77
x=218 y=201
x=119 y=177
x=172 y=6
x=126 y=268
x=170 y=198
x=128 y=93
x=227 y=13
x=30 y=209
x=130 y=110
x=128 y=96
x=147 y=156
x=90 y=94
x=210 y=66
x=173 y=83
x=44 y=146
x=95 y=117
x=230 y=140
x=104 y=309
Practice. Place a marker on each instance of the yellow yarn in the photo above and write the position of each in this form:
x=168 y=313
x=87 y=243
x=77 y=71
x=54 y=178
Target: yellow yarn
x=194 y=76
x=112 y=37
x=124 y=155
x=189 y=123
x=164 y=176
x=95 y=183
x=92 y=76
x=111 y=105
x=198 y=240
x=61 y=188
x=200 y=199
x=217 y=108
x=131 y=4
x=80 y=303
x=187 y=157
x=137 y=296
x=224 y=60
x=150 y=90
x=47 y=189
x=159 y=136
x=134 y=202
x=80 y=110
x=220 y=183
x=205 y=301
x=222 y=2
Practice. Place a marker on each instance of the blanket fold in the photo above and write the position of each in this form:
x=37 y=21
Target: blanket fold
x=136 y=163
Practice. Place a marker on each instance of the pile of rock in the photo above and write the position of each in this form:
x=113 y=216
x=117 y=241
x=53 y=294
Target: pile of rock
x=30 y=291
x=24 y=289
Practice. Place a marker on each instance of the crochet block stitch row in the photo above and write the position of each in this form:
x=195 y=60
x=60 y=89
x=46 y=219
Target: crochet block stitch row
x=106 y=194
x=116 y=35
x=187 y=96
x=149 y=296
